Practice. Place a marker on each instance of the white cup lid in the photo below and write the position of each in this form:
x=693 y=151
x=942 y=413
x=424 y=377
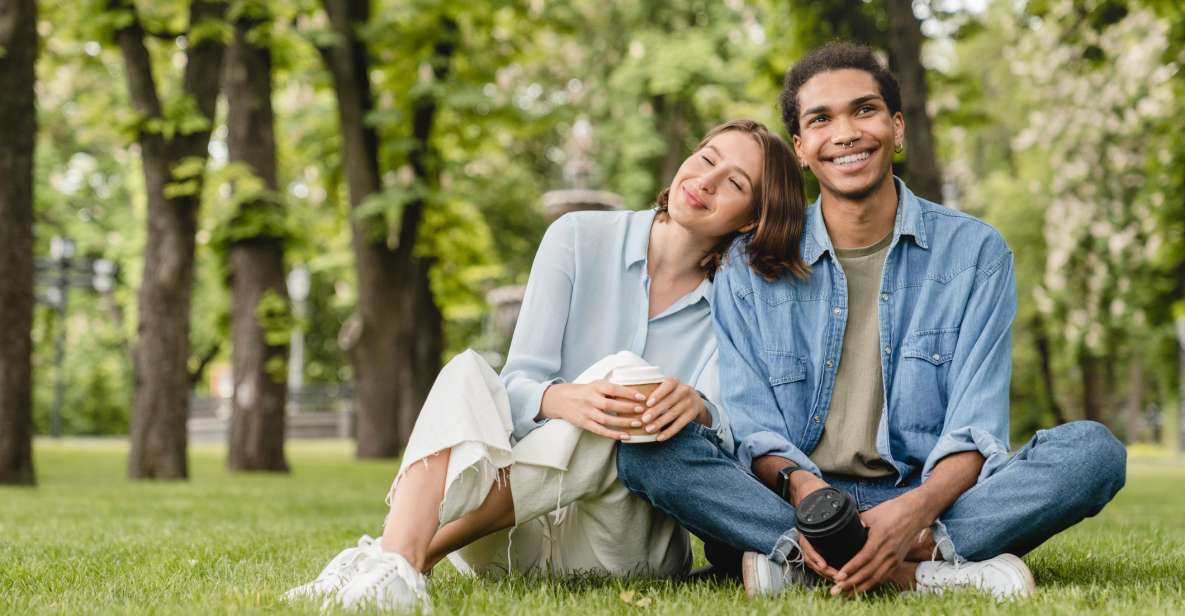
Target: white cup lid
x=636 y=375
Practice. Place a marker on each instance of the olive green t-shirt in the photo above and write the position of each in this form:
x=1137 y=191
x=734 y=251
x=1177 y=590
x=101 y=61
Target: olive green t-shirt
x=848 y=444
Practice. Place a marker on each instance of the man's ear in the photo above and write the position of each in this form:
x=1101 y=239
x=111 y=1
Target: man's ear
x=798 y=149
x=898 y=128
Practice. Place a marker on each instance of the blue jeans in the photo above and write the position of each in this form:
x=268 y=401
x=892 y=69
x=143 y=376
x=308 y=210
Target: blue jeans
x=1061 y=476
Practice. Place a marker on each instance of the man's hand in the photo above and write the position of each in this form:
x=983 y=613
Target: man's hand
x=672 y=406
x=814 y=560
x=893 y=527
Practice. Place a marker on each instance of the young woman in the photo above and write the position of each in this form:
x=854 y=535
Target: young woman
x=518 y=474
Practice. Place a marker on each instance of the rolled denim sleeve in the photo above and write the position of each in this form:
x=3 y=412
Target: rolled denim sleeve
x=536 y=348
x=977 y=410
x=758 y=427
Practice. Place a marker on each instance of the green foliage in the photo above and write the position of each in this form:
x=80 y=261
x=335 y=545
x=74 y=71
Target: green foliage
x=211 y=31
x=274 y=314
x=180 y=116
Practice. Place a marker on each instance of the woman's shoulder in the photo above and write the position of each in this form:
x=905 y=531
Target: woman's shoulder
x=601 y=225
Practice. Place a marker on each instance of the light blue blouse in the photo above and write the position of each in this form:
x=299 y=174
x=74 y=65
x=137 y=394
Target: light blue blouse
x=588 y=297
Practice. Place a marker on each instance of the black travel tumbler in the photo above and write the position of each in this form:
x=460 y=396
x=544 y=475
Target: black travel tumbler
x=829 y=519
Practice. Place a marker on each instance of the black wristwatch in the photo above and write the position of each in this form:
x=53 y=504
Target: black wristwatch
x=783 y=485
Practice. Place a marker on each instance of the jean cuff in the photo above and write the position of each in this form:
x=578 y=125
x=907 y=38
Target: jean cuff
x=943 y=543
x=786 y=549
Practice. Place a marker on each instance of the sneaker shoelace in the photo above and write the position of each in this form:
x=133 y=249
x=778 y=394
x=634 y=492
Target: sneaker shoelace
x=359 y=555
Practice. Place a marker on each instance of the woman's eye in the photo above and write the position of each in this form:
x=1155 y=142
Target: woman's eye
x=708 y=160
x=737 y=184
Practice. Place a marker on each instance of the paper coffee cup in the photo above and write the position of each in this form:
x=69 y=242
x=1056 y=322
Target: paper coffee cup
x=643 y=379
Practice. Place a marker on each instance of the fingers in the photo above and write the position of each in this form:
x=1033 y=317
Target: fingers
x=665 y=388
x=814 y=560
x=686 y=413
x=596 y=428
x=613 y=421
x=678 y=394
x=612 y=390
x=615 y=399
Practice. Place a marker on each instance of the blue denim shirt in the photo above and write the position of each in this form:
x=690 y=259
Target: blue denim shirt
x=948 y=296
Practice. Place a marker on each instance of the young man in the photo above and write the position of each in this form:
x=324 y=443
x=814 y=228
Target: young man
x=884 y=373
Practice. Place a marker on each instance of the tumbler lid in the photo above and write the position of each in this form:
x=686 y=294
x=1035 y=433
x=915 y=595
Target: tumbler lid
x=824 y=511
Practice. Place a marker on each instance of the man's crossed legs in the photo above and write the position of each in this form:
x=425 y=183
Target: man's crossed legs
x=1063 y=475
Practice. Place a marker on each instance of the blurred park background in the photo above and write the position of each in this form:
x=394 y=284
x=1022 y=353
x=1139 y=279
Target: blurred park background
x=245 y=219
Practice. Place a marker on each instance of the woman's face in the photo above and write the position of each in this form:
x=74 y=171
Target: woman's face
x=712 y=193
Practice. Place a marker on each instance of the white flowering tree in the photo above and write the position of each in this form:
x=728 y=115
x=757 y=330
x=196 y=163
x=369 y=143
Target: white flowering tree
x=1099 y=99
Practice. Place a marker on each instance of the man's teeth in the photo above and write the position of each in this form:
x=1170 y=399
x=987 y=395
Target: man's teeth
x=851 y=158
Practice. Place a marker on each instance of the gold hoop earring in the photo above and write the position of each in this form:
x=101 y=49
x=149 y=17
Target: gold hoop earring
x=898 y=148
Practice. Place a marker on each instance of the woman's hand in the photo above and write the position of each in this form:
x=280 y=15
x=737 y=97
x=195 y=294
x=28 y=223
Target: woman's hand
x=672 y=406
x=589 y=406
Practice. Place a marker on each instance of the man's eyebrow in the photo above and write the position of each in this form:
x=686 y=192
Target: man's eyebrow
x=855 y=103
x=742 y=171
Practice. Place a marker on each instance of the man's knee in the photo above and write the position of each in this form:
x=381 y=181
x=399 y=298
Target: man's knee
x=1098 y=459
x=645 y=467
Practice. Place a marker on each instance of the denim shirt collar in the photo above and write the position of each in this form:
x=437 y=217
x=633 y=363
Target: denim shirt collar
x=637 y=242
x=908 y=223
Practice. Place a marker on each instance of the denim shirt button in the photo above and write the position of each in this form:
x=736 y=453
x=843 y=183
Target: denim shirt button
x=888 y=350
x=836 y=311
x=816 y=419
x=829 y=363
x=884 y=297
x=936 y=357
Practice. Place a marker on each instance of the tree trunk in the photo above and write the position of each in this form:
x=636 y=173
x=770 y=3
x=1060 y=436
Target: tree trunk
x=256 y=438
x=395 y=337
x=905 y=51
x=1093 y=387
x=1180 y=322
x=1134 y=408
x=158 y=438
x=422 y=339
x=18 y=130
x=1041 y=339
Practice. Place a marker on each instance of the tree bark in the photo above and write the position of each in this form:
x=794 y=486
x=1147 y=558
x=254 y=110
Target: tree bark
x=1041 y=339
x=18 y=130
x=905 y=51
x=256 y=437
x=1093 y=387
x=395 y=337
x=422 y=323
x=1180 y=323
x=1134 y=408
x=158 y=438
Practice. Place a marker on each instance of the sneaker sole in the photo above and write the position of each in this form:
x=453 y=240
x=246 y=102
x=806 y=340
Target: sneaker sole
x=750 y=573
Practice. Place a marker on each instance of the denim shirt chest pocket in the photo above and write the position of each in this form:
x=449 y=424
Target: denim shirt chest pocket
x=920 y=391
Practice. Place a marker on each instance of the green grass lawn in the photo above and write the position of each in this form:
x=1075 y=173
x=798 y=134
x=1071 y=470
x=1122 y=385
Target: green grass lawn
x=89 y=541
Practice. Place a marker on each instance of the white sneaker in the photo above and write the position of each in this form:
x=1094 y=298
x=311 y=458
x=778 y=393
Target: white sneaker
x=386 y=581
x=1004 y=577
x=763 y=576
x=337 y=572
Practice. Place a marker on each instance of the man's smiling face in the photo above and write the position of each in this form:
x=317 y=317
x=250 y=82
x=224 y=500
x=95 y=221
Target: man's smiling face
x=847 y=133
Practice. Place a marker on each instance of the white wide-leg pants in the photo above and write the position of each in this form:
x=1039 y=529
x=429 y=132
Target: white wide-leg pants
x=571 y=513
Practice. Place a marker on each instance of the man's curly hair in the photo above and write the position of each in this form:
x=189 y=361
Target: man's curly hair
x=835 y=56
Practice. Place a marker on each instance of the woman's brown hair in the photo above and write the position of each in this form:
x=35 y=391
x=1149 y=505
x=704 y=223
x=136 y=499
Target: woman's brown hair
x=779 y=208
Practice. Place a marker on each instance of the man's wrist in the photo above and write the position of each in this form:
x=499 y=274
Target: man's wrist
x=802 y=484
x=927 y=507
